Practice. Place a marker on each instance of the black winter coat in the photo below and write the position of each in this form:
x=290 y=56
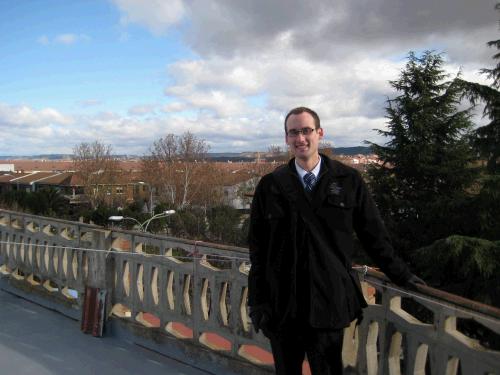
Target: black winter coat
x=301 y=277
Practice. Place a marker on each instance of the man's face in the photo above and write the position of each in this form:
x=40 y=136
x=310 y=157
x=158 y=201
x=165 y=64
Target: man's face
x=303 y=146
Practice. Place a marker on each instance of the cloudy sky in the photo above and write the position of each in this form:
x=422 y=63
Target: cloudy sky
x=127 y=72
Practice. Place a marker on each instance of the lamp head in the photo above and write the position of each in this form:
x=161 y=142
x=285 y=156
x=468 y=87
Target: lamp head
x=115 y=218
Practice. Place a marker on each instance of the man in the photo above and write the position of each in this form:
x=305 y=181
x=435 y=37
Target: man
x=302 y=290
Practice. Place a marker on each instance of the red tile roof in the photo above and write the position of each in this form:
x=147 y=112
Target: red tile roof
x=8 y=177
x=40 y=165
x=62 y=165
x=63 y=178
x=32 y=177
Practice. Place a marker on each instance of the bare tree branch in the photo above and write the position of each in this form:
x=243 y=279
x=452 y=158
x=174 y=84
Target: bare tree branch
x=96 y=167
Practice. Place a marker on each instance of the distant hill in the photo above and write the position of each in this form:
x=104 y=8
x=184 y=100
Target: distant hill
x=252 y=154
x=38 y=157
x=352 y=150
x=232 y=156
x=216 y=156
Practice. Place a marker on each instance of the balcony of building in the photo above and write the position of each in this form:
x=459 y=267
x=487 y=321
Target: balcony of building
x=183 y=303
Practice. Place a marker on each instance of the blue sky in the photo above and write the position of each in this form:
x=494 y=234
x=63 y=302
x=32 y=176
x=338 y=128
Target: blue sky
x=39 y=68
x=127 y=72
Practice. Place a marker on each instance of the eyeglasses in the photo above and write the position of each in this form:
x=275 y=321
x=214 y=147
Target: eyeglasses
x=295 y=132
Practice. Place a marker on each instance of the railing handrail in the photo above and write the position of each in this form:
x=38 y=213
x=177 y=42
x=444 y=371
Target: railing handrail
x=439 y=294
x=51 y=218
x=197 y=243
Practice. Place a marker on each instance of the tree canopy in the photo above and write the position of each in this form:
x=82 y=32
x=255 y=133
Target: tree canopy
x=175 y=166
x=486 y=139
x=425 y=170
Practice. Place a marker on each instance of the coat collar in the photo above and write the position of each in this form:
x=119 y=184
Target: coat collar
x=335 y=168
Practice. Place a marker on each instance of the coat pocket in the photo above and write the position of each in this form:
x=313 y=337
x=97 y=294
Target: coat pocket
x=337 y=211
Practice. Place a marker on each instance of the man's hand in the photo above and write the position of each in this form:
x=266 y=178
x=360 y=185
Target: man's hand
x=413 y=282
x=261 y=315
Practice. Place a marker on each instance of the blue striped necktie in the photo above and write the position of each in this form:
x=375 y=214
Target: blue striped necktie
x=310 y=181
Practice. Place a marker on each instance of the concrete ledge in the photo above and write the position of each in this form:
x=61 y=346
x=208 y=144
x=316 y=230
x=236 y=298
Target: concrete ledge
x=182 y=350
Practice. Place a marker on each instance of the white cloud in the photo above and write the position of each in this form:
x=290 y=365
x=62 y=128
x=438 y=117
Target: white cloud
x=141 y=110
x=337 y=89
x=222 y=103
x=33 y=131
x=70 y=38
x=333 y=30
x=336 y=57
x=26 y=117
x=66 y=39
x=174 y=107
x=51 y=115
x=156 y=15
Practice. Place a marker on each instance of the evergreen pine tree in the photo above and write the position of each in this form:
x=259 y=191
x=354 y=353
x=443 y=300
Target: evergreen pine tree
x=486 y=139
x=425 y=172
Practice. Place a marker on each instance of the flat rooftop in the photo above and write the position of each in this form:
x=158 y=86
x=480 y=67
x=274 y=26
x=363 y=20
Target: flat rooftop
x=36 y=340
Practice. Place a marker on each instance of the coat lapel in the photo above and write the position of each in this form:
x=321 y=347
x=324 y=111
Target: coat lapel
x=321 y=191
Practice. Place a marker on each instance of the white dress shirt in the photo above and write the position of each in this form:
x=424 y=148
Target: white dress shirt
x=302 y=172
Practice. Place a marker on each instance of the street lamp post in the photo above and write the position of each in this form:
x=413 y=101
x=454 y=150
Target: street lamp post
x=143 y=226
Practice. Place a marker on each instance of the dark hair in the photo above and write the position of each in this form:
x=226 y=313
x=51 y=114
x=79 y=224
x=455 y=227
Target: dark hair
x=299 y=110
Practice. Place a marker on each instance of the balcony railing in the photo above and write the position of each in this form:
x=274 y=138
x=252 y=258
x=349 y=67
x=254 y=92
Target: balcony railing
x=167 y=291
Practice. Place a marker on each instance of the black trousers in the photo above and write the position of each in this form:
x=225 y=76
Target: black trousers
x=323 y=349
